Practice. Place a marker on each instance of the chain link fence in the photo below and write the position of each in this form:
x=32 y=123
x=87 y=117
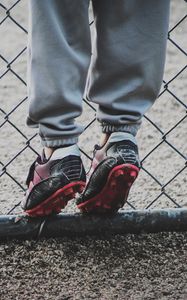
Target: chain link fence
x=162 y=182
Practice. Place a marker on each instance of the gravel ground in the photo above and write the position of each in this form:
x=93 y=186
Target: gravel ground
x=120 y=267
x=123 y=267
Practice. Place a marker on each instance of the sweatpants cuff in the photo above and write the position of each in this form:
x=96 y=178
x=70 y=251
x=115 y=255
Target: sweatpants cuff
x=57 y=142
x=132 y=128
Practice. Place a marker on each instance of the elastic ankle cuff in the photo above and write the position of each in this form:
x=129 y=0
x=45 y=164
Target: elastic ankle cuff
x=132 y=129
x=56 y=143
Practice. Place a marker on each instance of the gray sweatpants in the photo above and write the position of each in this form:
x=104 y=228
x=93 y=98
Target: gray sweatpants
x=125 y=68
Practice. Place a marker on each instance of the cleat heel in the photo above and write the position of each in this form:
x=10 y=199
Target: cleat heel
x=119 y=173
x=133 y=174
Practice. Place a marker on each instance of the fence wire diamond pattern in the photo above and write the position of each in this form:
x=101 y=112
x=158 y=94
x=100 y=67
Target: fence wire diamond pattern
x=163 y=147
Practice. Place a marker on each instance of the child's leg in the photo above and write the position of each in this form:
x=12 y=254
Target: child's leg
x=124 y=80
x=128 y=60
x=59 y=55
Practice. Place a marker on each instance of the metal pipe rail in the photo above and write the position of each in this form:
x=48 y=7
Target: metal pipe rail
x=134 y=221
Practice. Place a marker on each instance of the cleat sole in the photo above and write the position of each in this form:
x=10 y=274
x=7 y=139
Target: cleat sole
x=115 y=192
x=56 y=202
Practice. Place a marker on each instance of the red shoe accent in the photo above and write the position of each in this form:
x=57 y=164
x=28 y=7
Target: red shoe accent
x=80 y=188
x=115 y=192
x=56 y=202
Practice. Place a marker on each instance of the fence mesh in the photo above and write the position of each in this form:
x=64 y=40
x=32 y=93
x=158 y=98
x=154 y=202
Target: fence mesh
x=162 y=138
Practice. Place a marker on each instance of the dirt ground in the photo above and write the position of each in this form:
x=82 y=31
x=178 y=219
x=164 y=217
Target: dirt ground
x=122 y=267
x=119 y=267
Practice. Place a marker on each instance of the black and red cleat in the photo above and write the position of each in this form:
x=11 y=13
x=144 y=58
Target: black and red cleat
x=52 y=183
x=114 y=169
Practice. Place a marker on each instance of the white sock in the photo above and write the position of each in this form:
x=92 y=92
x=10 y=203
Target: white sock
x=120 y=136
x=60 y=153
